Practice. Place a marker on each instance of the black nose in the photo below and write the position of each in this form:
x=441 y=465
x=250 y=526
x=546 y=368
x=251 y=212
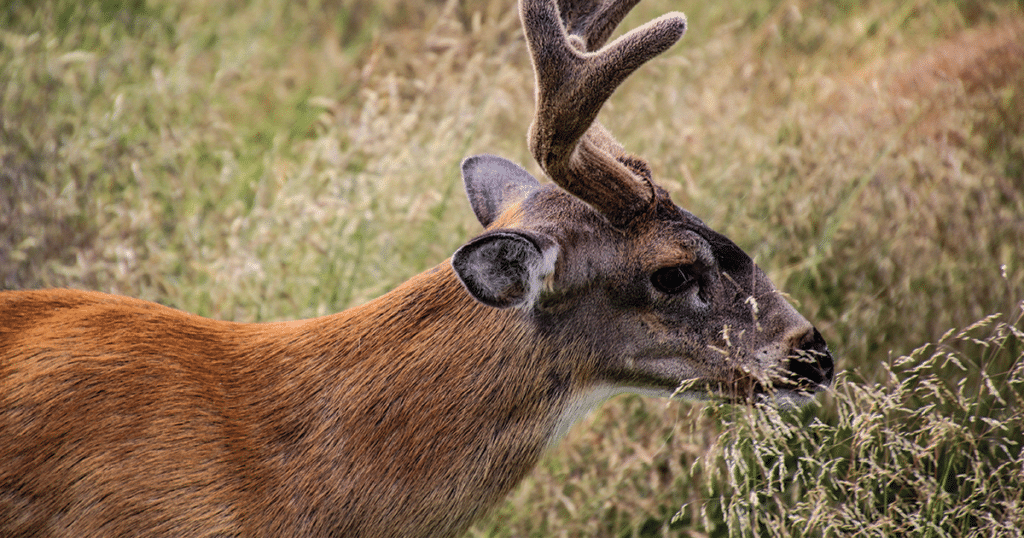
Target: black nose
x=811 y=366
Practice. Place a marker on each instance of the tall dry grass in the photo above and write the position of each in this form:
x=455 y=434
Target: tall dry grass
x=267 y=160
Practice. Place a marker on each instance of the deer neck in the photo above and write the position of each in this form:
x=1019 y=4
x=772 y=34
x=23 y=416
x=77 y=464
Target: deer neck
x=426 y=391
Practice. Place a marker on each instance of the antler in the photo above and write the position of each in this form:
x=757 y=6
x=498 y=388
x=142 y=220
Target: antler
x=574 y=81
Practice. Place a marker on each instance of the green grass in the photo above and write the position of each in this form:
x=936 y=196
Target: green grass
x=276 y=160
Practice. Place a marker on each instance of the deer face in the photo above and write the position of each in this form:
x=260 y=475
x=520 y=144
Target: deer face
x=604 y=260
x=666 y=304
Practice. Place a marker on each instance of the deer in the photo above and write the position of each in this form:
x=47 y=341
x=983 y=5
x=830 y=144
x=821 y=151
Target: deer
x=415 y=413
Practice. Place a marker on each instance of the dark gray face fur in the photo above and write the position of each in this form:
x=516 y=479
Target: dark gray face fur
x=669 y=305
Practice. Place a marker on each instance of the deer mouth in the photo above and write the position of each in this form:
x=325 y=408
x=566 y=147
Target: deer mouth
x=792 y=381
x=792 y=387
x=810 y=367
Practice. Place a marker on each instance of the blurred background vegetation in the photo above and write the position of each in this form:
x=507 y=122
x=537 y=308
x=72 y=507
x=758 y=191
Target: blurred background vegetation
x=269 y=159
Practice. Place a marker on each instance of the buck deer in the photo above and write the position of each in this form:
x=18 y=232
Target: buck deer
x=413 y=414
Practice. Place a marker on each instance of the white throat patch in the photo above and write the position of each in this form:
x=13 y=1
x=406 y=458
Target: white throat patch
x=582 y=404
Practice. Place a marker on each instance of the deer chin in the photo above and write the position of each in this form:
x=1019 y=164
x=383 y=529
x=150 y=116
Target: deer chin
x=741 y=387
x=779 y=398
x=782 y=394
x=679 y=377
x=787 y=399
x=744 y=391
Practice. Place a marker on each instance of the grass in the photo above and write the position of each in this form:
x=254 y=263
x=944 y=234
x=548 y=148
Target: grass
x=274 y=160
x=934 y=450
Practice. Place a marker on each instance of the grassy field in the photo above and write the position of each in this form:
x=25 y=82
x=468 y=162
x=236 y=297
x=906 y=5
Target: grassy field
x=277 y=159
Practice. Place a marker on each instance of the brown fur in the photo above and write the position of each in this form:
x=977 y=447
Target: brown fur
x=415 y=413
x=123 y=417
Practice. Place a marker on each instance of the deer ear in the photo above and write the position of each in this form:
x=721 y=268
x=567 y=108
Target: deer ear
x=493 y=184
x=506 y=268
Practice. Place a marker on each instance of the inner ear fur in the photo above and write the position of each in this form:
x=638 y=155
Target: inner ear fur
x=493 y=184
x=506 y=268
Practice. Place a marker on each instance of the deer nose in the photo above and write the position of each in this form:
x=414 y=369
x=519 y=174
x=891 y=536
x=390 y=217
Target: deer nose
x=810 y=364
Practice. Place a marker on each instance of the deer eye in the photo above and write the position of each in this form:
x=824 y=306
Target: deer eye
x=672 y=280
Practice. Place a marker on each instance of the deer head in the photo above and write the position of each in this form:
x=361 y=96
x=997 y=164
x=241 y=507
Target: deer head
x=603 y=258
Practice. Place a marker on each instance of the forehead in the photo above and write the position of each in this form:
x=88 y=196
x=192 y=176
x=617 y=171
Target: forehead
x=667 y=233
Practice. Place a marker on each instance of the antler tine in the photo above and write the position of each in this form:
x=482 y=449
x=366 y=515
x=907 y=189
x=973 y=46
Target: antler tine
x=594 y=23
x=573 y=84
